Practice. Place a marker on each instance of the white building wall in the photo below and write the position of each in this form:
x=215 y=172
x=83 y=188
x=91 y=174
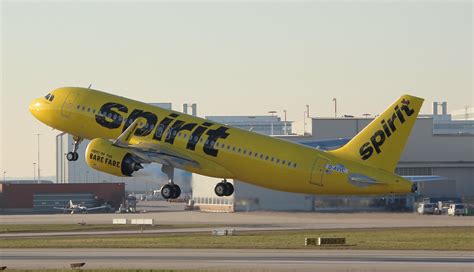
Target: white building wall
x=249 y=197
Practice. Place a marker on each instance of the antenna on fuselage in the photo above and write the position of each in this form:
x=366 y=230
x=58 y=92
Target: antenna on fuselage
x=90 y=85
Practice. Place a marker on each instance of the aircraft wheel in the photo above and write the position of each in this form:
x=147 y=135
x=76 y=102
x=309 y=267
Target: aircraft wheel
x=220 y=189
x=72 y=156
x=176 y=191
x=229 y=189
x=167 y=191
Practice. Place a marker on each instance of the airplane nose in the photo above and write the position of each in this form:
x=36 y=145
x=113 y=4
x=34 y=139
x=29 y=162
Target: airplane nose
x=35 y=107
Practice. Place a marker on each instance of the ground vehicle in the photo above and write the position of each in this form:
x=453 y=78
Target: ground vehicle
x=456 y=209
x=426 y=208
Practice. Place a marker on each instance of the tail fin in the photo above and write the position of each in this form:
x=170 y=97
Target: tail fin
x=381 y=143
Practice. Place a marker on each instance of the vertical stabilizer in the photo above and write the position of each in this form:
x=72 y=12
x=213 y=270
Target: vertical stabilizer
x=381 y=143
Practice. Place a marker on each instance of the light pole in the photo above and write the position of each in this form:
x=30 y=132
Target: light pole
x=39 y=175
x=34 y=171
x=305 y=116
x=272 y=112
x=286 y=130
x=335 y=107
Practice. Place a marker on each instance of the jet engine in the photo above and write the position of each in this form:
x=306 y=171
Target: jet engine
x=105 y=157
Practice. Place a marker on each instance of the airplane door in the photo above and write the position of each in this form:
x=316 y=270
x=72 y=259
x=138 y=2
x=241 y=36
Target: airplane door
x=68 y=104
x=319 y=169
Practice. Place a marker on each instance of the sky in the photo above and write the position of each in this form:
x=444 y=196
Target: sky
x=231 y=58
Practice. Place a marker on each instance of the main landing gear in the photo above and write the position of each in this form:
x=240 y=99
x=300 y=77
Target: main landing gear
x=73 y=156
x=170 y=190
x=224 y=188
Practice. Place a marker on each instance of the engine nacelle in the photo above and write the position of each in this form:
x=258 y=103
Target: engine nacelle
x=103 y=156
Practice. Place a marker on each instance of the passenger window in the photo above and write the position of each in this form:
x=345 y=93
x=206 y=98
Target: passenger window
x=250 y=153
x=83 y=108
x=233 y=148
x=78 y=107
x=278 y=160
x=266 y=158
x=261 y=156
x=272 y=159
x=239 y=149
x=88 y=109
x=283 y=162
x=294 y=165
x=289 y=163
x=245 y=151
x=93 y=111
x=228 y=147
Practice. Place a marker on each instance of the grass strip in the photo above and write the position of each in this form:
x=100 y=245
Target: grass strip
x=433 y=238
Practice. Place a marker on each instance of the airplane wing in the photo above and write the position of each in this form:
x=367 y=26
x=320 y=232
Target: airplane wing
x=62 y=208
x=96 y=208
x=150 y=152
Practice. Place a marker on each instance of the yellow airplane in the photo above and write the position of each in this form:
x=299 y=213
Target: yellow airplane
x=125 y=134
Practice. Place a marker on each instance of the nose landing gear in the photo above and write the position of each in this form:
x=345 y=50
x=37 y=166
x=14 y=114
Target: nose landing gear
x=224 y=188
x=73 y=156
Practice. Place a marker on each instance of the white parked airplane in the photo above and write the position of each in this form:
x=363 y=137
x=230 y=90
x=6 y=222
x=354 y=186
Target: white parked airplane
x=79 y=208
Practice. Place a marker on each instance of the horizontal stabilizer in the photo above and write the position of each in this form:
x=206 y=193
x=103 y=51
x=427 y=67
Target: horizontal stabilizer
x=424 y=178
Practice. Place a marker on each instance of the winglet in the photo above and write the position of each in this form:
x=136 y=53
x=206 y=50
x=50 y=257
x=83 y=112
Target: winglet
x=126 y=136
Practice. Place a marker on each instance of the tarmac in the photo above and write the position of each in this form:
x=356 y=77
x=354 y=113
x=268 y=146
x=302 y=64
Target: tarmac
x=164 y=213
x=241 y=260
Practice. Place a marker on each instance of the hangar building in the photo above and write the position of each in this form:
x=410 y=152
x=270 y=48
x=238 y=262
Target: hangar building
x=23 y=197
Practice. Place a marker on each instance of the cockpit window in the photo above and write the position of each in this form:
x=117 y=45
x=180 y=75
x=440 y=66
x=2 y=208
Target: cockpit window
x=49 y=97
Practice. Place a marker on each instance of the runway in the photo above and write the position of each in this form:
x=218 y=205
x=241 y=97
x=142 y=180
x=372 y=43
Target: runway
x=298 y=220
x=239 y=259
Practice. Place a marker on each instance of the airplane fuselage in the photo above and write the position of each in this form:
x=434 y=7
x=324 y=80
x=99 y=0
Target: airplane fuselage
x=222 y=151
